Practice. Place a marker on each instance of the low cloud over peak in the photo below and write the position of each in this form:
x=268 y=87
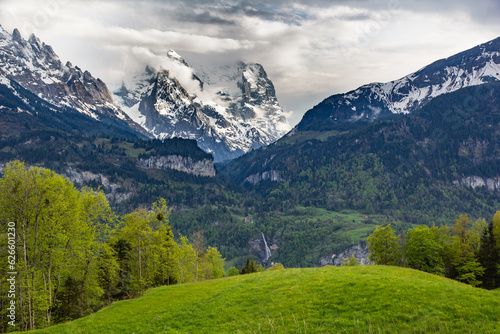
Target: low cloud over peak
x=310 y=49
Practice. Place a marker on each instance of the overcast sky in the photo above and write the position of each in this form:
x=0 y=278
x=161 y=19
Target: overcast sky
x=310 y=49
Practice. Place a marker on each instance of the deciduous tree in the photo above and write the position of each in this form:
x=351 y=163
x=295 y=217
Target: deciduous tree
x=384 y=246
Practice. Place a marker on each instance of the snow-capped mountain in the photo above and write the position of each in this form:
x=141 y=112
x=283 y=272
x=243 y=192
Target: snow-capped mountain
x=32 y=66
x=475 y=66
x=228 y=110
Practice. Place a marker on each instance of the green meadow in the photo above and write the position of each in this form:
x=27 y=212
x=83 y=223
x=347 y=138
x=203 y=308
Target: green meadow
x=361 y=299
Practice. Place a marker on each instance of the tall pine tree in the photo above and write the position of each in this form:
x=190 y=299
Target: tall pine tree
x=489 y=258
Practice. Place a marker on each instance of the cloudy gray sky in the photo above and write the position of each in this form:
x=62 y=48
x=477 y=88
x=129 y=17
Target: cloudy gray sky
x=310 y=48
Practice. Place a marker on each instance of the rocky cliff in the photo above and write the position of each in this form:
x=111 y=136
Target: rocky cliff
x=262 y=249
x=114 y=191
x=272 y=175
x=492 y=184
x=203 y=167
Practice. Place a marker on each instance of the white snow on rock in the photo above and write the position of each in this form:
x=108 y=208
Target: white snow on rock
x=37 y=68
x=472 y=67
x=228 y=109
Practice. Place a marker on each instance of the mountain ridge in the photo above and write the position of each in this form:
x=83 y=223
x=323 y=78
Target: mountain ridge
x=67 y=92
x=449 y=144
x=480 y=64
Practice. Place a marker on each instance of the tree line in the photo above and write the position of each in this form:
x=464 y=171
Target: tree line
x=74 y=255
x=468 y=251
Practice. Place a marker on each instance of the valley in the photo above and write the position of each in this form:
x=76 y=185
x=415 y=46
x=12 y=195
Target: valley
x=185 y=174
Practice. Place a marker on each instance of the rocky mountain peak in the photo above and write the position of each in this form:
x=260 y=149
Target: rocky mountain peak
x=16 y=36
x=36 y=68
x=228 y=109
x=475 y=66
x=172 y=55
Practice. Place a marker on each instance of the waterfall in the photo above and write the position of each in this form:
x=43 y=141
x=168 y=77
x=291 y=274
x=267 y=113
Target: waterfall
x=268 y=250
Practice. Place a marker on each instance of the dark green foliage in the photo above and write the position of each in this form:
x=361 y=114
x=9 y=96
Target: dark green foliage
x=249 y=267
x=489 y=257
x=69 y=297
x=117 y=160
x=123 y=251
x=404 y=168
x=173 y=146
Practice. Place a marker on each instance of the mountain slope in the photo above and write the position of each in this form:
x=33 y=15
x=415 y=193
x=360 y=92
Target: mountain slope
x=131 y=172
x=228 y=110
x=53 y=95
x=478 y=65
x=348 y=300
x=406 y=165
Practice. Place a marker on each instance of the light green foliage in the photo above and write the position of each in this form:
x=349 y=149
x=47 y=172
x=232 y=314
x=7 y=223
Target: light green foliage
x=462 y=229
x=423 y=251
x=452 y=252
x=469 y=272
x=350 y=262
x=137 y=230
x=475 y=234
x=276 y=266
x=384 y=246
x=232 y=271
x=186 y=261
x=215 y=263
x=58 y=239
x=157 y=259
x=67 y=265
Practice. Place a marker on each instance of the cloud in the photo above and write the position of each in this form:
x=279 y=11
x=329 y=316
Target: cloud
x=309 y=48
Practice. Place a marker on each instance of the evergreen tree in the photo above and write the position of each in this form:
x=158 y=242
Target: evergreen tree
x=249 y=267
x=489 y=258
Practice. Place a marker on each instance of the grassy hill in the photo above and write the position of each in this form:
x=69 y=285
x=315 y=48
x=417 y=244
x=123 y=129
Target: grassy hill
x=368 y=299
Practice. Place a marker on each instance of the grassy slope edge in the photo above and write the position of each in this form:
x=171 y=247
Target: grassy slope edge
x=361 y=299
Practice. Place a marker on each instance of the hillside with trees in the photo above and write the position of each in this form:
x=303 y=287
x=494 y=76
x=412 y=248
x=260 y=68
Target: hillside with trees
x=73 y=255
x=468 y=251
x=417 y=169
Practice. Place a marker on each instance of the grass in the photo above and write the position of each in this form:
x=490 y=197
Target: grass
x=355 y=224
x=368 y=299
x=127 y=146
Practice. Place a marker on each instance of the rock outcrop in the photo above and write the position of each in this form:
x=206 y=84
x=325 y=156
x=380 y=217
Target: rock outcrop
x=359 y=251
x=203 y=167
x=272 y=175
x=112 y=190
x=262 y=248
x=492 y=184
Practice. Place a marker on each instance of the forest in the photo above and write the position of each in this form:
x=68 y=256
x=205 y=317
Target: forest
x=468 y=251
x=69 y=254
